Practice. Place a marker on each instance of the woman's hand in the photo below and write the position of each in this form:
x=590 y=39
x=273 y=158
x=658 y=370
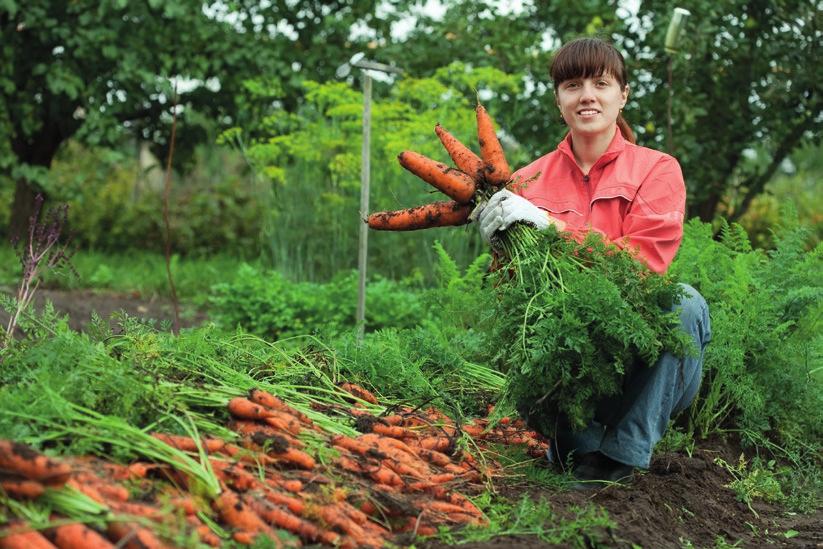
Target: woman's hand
x=505 y=208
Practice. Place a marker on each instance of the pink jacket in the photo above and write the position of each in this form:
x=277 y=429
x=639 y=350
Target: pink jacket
x=632 y=195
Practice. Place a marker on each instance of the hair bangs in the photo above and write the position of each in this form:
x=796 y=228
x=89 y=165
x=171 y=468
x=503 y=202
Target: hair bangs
x=587 y=58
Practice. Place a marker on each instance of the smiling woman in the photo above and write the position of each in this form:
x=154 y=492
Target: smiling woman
x=599 y=180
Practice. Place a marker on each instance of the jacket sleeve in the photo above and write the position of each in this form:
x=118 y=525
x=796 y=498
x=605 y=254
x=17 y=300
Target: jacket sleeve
x=653 y=224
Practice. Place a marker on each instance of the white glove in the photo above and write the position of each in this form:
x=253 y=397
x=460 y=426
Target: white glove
x=505 y=208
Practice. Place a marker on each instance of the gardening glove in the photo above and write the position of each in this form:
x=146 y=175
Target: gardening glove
x=505 y=208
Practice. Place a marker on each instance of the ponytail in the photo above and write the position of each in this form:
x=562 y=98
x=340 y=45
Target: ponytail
x=625 y=129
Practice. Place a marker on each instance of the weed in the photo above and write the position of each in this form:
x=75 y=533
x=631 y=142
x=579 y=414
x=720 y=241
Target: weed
x=758 y=481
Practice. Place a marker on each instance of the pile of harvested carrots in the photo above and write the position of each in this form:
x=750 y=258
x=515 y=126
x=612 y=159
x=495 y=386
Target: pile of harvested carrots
x=475 y=178
x=283 y=478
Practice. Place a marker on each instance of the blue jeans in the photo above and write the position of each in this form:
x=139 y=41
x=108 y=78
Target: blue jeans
x=627 y=427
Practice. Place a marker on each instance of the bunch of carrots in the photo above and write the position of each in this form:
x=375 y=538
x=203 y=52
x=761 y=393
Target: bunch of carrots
x=475 y=178
x=403 y=475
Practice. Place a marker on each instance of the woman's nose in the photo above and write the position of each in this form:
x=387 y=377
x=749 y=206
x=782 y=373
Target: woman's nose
x=587 y=92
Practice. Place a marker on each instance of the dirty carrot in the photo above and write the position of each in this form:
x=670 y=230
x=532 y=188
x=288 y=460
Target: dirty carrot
x=295 y=457
x=359 y=392
x=204 y=532
x=238 y=515
x=496 y=168
x=31 y=539
x=465 y=160
x=453 y=183
x=22 y=460
x=132 y=536
x=22 y=489
x=293 y=504
x=436 y=214
x=246 y=409
x=77 y=536
x=188 y=444
x=393 y=431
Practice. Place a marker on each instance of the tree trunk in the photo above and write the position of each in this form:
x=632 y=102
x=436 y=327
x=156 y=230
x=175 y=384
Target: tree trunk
x=706 y=208
x=22 y=210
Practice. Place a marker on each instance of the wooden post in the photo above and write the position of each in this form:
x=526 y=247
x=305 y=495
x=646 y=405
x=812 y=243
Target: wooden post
x=363 y=246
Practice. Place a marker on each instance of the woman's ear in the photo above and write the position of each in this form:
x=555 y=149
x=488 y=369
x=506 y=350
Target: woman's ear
x=625 y=95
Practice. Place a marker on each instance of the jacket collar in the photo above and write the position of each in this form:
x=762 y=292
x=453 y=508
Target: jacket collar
x=617 y=146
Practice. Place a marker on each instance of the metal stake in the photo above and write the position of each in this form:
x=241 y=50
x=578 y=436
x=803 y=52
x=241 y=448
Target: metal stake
x=363 y=246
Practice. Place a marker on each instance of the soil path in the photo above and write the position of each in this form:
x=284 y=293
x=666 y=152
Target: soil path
x=79 y=305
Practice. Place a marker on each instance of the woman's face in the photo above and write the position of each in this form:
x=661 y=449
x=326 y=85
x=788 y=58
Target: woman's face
x=590 y=105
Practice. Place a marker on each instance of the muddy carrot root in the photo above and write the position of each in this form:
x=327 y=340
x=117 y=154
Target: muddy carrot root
x=268 y=400
x=465 y=160
x=496 y=167
x=393 y=431
x=203 y=532
x=27 y=540
x=244 y=408
x=77 y=536
x=436 y=214
x=296 y=506
x=188 y=444
x=281 y=518
x=359 y=392
x=451 y=182
x=22 y=489
x=238 y=515
x=132 y=536
x=22 y=460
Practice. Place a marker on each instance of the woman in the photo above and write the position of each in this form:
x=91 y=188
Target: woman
x=598 y=179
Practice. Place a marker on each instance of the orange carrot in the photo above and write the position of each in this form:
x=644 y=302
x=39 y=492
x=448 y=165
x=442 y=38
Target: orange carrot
x=268 y=400
x=436 y=214
x=455 y=184
x=496 y=168
x=237 y=514
x=295 y=457
x=393 y=431
x=441 y=444
x=188 y=444
x=22 y=489
x=284 y=422
x=204 y=532
x=31 y=539
x=133 y=536
x=246 y=409
x=293 y=504
x=77 y=536
x=290 y=485
x=332 y=515
x=434 y=457
x=283 y=519
x=19 y=459
x=463 y=157
x=350 y=444
x=359 y=392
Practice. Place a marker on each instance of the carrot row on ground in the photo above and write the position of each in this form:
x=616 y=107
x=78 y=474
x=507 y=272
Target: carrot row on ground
x=401 y=474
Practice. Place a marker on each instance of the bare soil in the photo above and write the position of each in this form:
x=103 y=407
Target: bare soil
x=79 y=305
x=681 y=500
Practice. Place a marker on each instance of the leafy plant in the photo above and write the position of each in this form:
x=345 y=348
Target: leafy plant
x=761 y=368
x=573 y=319
x=266 y=303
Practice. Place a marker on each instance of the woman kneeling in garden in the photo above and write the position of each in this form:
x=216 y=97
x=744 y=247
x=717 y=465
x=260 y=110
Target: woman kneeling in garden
x=598 y=179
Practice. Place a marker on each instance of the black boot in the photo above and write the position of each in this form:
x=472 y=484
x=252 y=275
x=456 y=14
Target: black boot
x=595 y=470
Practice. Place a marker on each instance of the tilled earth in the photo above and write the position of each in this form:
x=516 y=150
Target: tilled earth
x=682 y=501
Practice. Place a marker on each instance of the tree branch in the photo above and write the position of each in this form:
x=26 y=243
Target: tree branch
x=756 y=182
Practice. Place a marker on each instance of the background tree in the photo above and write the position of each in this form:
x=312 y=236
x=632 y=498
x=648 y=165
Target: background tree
x=94 y=70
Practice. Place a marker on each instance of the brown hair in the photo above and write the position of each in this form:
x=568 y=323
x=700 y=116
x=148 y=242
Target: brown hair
x=587 y=58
